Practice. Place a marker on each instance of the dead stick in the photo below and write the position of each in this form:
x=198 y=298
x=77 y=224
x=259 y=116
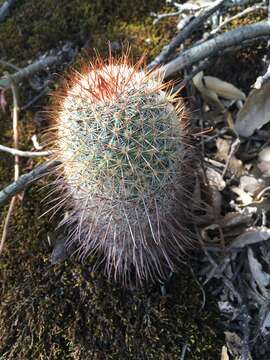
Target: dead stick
x=6 y=223
x=213 y=46
x=184 y=34
x=245 y=12
x=24 y=180
x=5 y=81
x=5 y=9
x=22 y=153
x=16 y=164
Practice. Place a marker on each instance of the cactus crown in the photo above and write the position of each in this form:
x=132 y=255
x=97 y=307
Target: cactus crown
x=121 y=146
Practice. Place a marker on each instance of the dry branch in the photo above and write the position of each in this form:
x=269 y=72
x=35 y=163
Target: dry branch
x=5 y=81
x=16 y=162
x=245 y=12
x=185 y=33
x=22 y=153
x=213 y=46
x=26 y=179
x=5 y=9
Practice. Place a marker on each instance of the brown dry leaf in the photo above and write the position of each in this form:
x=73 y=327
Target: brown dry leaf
x=255 y=113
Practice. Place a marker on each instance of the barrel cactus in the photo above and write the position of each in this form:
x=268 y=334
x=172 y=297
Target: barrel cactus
x=125 y=178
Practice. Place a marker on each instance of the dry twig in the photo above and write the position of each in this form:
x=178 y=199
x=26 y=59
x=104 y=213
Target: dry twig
x=6 y=81
x=184 y=34
x=245 y=12
x=5 y=9
x=213 y=46
x=25 y=179
x=16 y=165
x=21 y=153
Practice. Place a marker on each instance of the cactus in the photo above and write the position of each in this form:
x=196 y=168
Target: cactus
x=124 y=176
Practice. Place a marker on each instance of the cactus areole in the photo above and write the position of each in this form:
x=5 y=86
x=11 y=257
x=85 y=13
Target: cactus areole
x=125 y=173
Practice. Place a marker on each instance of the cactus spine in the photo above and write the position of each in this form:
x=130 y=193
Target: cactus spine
x=123 y=171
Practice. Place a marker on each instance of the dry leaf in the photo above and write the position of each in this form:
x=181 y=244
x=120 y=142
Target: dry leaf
x=251 y=185
x=251 y=236
x=215 y=179
x=264 y=161
x=255 y=113
x=224 y=353
x=223 y=88
x=209 y=96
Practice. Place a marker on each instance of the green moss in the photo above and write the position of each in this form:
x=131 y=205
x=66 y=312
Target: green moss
x=57 y=312
x=66 y=311
x=37 y=26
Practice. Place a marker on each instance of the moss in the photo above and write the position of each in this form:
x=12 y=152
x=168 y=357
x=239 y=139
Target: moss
x=39 y=26
x=67 y=311
x=58 y=312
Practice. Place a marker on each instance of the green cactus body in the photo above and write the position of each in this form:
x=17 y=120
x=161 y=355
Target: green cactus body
x=120 y=141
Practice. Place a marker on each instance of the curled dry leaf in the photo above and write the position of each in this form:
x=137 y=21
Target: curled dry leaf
x=212 y=89
x=255 y=113
x=251 y=236
x=209 y=96
x=223 y=89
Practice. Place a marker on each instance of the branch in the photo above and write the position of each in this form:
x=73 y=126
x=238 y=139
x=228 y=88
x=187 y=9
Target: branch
x=5 y=81
x=239 y=15
x=5 y=9
x=6 y=223
x=213 y=46
x=21 y=153
x=184 y=34
x=16 y=163
x=26 y=179
x=15 y=125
